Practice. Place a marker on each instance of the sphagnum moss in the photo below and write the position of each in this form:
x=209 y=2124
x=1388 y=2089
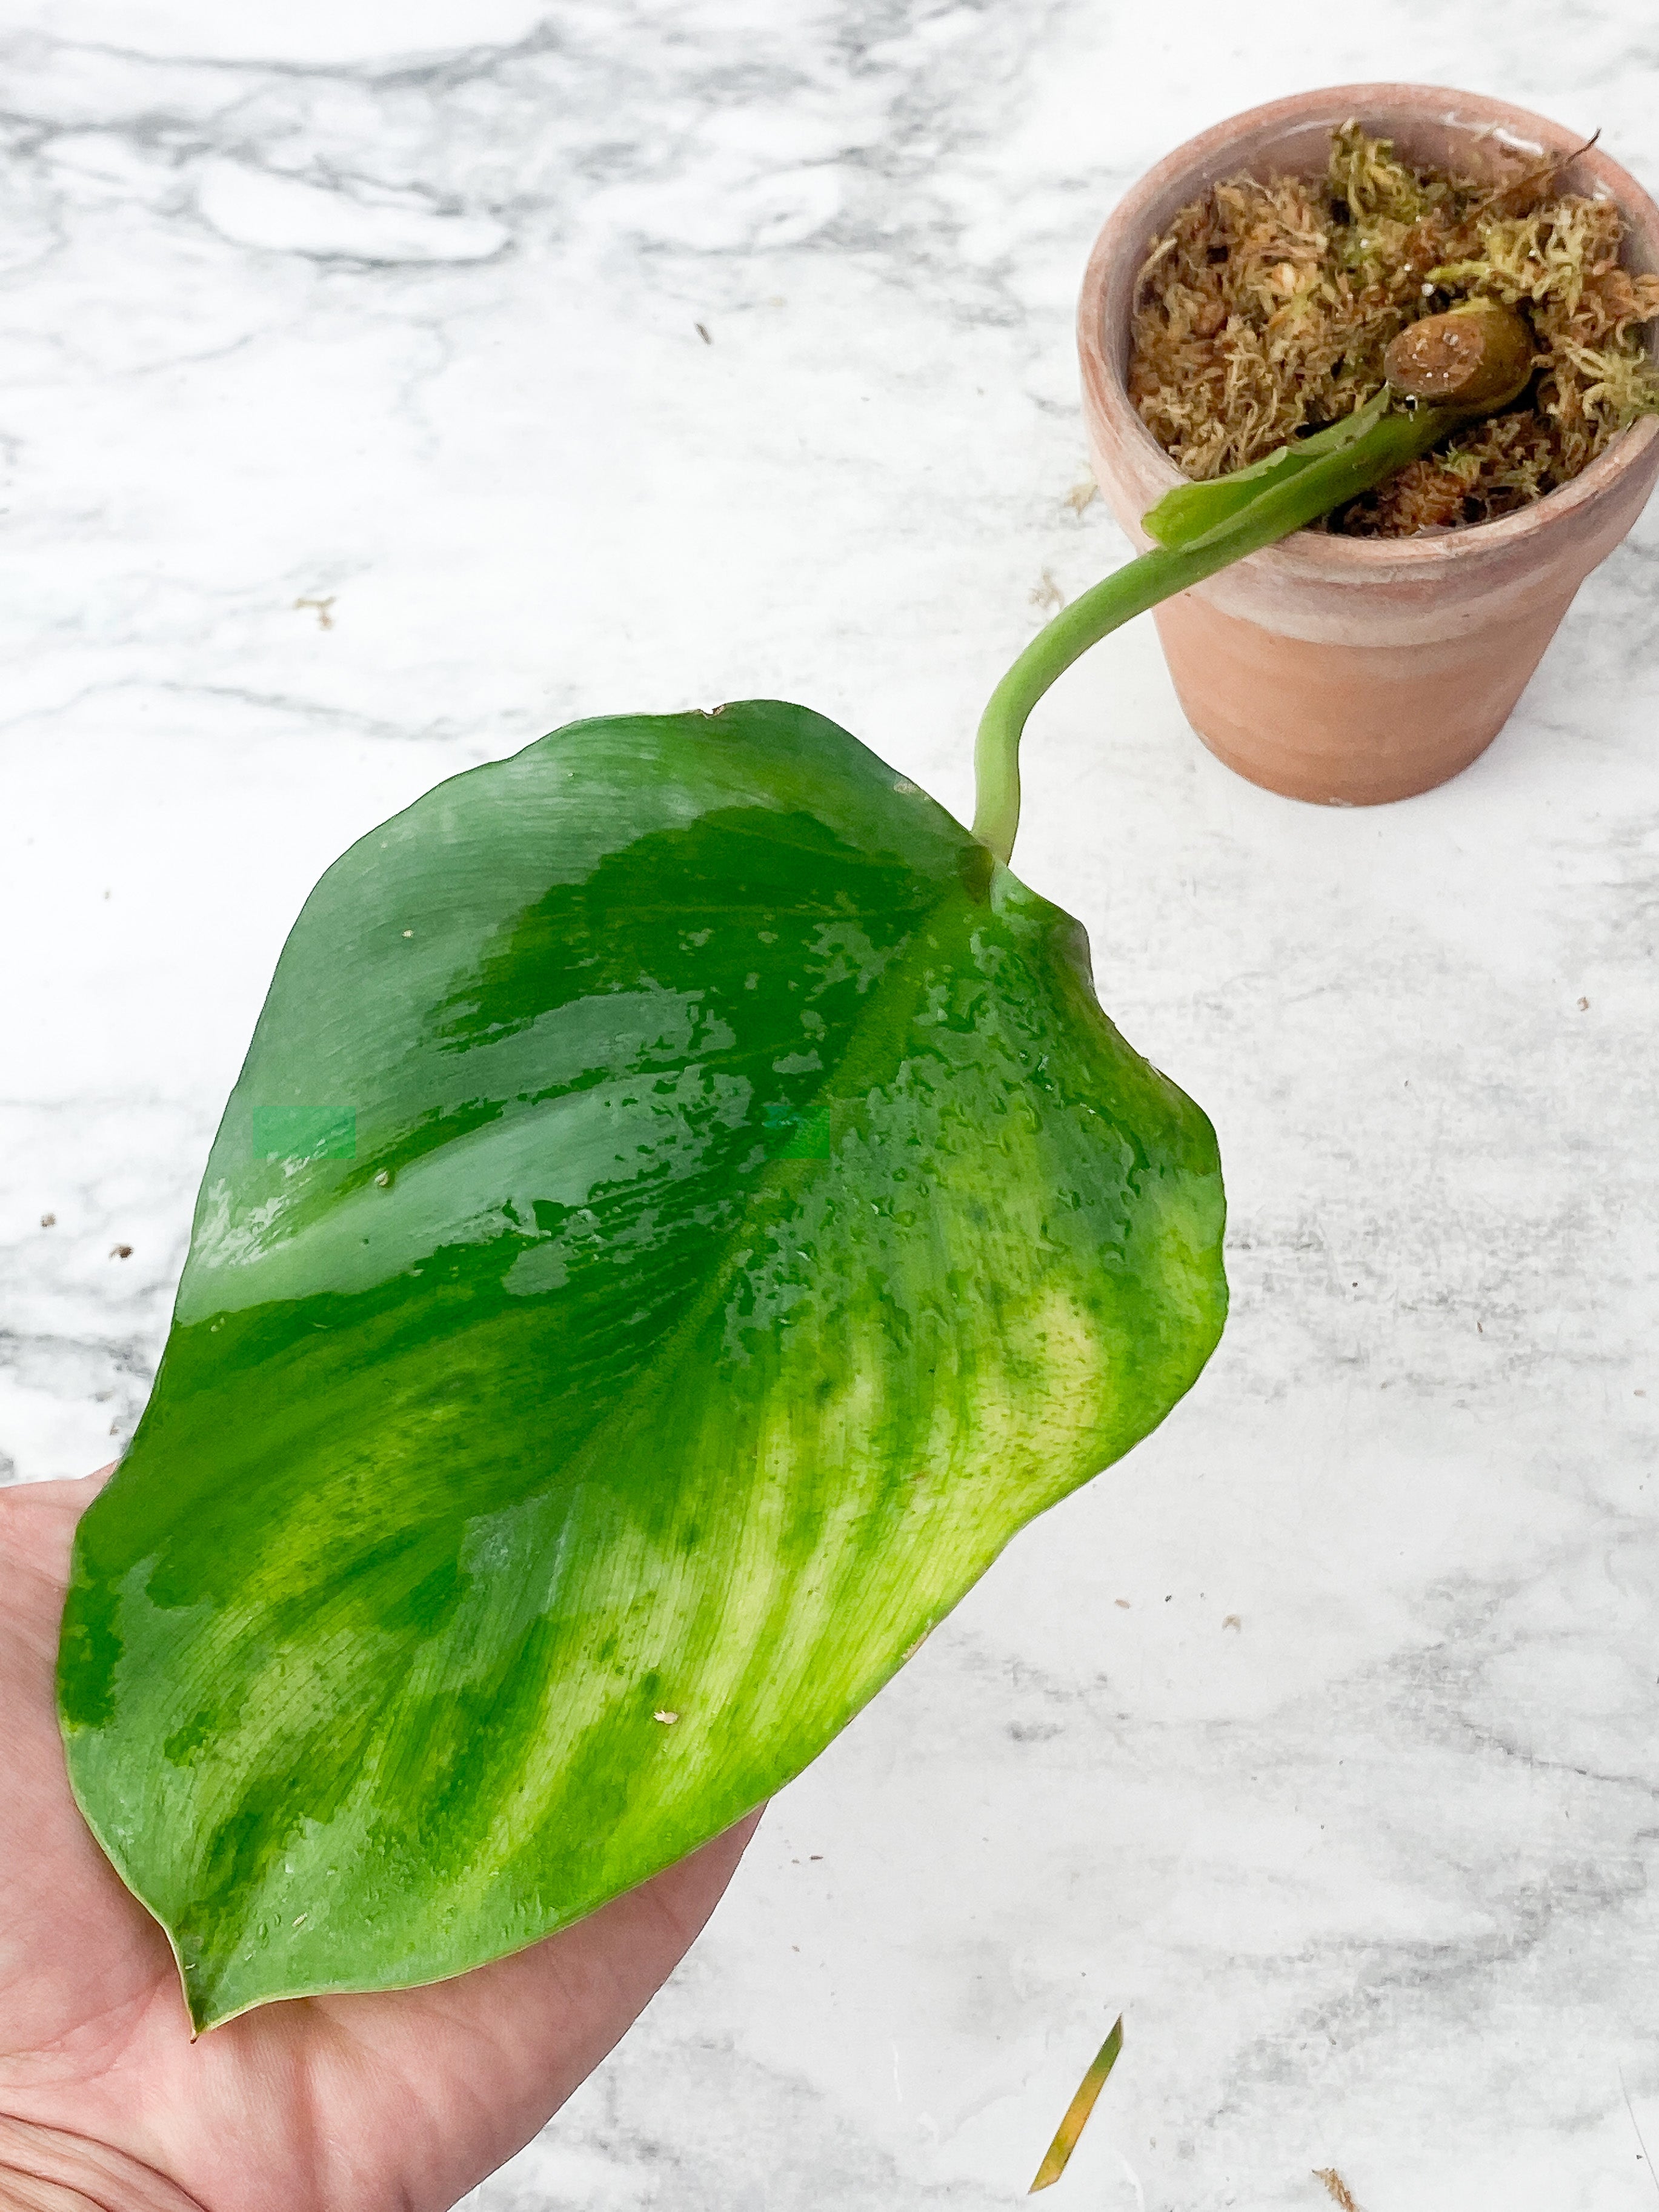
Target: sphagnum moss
x=1266 y=308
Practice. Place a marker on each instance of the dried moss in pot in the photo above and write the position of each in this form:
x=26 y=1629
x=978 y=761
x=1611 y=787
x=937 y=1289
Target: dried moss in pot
x=1265 y=310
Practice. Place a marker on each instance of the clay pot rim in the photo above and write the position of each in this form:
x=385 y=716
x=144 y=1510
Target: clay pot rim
x=1354 y=560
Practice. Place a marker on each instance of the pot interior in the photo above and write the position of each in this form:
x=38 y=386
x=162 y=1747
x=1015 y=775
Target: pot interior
x=1439 y=133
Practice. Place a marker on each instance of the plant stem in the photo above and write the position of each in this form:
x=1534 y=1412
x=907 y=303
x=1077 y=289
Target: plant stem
x=1280 y=507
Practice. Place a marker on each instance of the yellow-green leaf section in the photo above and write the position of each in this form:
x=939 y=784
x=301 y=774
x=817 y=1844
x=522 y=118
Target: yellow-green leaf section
x=682 y=1211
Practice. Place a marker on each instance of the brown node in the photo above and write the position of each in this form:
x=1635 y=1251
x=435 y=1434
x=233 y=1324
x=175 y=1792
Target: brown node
x=1479 y=356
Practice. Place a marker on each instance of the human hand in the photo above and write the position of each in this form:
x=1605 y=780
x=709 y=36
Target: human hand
x=394 y=2102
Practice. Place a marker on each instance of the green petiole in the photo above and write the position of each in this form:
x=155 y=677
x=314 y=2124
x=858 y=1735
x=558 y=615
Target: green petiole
x=1202 y=527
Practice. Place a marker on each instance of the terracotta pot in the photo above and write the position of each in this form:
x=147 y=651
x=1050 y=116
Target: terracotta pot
x=1345 y=670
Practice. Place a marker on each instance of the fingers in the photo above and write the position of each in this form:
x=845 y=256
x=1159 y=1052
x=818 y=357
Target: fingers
x=36 y=1526
x=68 y=1492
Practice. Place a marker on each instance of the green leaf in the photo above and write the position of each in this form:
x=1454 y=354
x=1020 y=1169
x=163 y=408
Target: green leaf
x=682 y=1211
x=1189 y=511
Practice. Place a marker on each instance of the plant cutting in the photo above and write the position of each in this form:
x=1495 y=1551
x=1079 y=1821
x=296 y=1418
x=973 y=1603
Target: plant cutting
x=682 y=1211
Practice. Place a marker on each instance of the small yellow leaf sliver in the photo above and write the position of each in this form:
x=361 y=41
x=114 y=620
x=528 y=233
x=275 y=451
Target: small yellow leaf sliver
x=1077 y=2112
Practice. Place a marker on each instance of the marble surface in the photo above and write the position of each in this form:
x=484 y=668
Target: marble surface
x=386 y=384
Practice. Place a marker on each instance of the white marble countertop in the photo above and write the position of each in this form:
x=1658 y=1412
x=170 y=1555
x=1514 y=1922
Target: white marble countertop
x=359 y=426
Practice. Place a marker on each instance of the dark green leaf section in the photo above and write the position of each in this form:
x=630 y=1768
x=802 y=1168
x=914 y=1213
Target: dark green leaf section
x=682 y=1211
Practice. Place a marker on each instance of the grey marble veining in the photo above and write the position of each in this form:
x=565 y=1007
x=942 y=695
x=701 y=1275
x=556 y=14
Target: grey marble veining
x=357 y=426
